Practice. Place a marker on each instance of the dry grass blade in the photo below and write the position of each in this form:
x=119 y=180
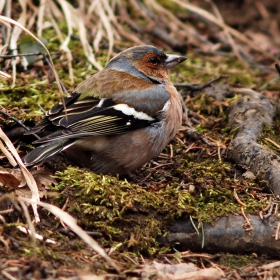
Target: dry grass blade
x=169 y=16
x=222 y=25
x=18 y=25
x=50 y=11
x=106 y=22
x=86 y=46
x=28 y=177
x=98 y=37
x=119 y=26
x=69 y=13
x=29 y=222
x=7 y=154
x=228 y=35
x=71 y=222
x=74 y=19
x=4 y=75
x=14 y=38
x=9 y=20
x=8 y=11
x=2 y=4
x=41 y=13
x=36 y=235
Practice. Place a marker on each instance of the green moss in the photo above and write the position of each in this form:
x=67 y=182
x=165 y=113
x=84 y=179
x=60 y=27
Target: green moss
x=129 y=216
x=171 y=6
x=269 y=138
x=234 y=261
x=124 y=212
x=116 y=207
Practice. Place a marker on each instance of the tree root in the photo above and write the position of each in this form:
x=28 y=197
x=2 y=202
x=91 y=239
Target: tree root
x=249 y=114
x=229 y=234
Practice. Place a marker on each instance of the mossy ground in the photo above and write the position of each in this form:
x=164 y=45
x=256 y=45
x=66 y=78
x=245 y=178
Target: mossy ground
x=131 y=213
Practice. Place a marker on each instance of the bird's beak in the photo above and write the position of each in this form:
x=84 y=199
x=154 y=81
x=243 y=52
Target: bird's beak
x=173 y=60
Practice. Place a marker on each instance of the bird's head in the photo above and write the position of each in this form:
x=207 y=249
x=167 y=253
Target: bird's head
x=147 y=60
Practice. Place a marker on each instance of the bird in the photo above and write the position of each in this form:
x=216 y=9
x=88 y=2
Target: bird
x=116 y=120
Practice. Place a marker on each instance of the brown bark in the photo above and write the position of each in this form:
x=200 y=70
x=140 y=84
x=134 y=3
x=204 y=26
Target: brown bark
x=228 y=234
x=249 y=115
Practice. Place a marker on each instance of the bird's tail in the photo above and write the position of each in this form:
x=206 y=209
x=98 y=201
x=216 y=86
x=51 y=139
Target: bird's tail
x=43 y=152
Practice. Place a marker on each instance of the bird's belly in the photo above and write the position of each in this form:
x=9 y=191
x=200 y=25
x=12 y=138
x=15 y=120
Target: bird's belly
x=118 y=154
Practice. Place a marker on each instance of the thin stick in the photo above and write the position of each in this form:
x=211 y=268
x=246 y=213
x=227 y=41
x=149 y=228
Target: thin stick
x=199 y=88
x=247 y=221
x=272 y=142
x=237 y=198
x=194 y=226
x=277 y=232
x=53 y=70
x=23 y=54
x=18 y=122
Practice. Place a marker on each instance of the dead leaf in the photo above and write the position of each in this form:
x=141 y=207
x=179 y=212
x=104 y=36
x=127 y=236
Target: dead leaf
x=43 y=178
x=181 y=271
x=13 y=178
x=8 y=180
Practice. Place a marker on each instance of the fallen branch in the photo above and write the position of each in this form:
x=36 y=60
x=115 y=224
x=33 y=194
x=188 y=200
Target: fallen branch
x=227 y=234
x=249 y=114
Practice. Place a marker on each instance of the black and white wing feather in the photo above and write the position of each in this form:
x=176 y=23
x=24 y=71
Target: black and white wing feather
x=93 y=116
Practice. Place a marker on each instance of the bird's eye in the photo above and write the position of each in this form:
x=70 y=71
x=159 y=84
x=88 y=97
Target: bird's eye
x=154 y=60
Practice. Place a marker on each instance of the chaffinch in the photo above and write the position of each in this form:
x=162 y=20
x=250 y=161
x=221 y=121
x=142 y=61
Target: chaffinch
x=119 y=118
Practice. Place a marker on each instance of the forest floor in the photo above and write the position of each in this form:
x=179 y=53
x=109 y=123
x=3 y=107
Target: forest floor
x=206 y=208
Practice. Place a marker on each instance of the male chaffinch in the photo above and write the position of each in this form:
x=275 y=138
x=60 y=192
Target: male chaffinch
x=119 y=118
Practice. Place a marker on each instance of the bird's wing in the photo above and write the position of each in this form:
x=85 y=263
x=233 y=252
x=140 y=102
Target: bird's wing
x=46 y=151
x=92 y=116
x=55 y=110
